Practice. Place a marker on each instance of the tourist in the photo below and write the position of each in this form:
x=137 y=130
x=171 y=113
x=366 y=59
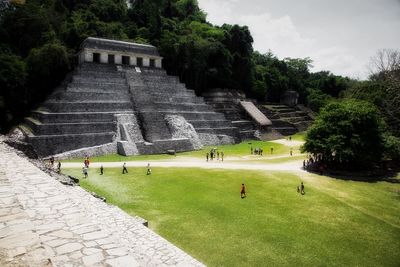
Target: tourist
x=51 y=162
x=101 y=170
x=85 y=171
x=86 y=162
x=302 y=189
x=207 y=155
x=124 y=169
x=251 y=150
x=148 y=169
x=222 y=156
x=211 y=154
x=290 y=138
x=59 y=167
x=291 y=151
x=261 y=152
x=242 y=191
x=272 y=150
x=217 y=155
x=304 y=164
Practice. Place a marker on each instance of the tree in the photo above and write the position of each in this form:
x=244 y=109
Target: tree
x=383 y=87
x=347 y=134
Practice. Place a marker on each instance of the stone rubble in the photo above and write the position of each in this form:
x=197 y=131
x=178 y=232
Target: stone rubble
x=46 y=223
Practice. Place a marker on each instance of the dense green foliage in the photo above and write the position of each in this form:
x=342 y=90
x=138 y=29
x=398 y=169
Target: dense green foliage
x=349 y=135
x=336 y=223
x=40 y=39
x=383 y=90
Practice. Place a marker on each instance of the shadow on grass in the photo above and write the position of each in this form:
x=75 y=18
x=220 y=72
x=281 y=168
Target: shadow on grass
x=391 y=175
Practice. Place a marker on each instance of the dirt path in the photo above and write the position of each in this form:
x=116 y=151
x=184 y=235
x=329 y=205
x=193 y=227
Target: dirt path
x=295 y=165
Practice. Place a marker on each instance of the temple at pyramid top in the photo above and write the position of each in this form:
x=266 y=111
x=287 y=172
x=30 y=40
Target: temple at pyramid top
x=99 y=50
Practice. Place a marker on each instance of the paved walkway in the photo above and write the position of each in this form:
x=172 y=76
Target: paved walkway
x=45 y=223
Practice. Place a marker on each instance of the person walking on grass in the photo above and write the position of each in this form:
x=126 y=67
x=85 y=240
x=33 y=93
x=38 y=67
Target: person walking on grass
x=302 y=188
x=124 y=169
x=222 y=156
x=101 y=170
x=291 y=151
x=85 y=172
x=242 y=191
x=148 y=169
x=272 y=150
x=207 y=155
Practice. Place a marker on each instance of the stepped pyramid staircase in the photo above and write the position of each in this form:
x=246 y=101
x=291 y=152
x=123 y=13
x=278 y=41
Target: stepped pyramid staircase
x=286 y=120
x=84 y=112
x=81 y=112
x=228 y=102
x=157 y=95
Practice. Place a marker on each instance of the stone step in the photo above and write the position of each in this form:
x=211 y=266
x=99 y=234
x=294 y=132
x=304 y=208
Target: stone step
x=177 y=98
x=211 y=123
x=281 y=123
x=97 y=67
x=189 y=116
x=284 y=111
x=84 y=79
x=285 y=130
x=221 y=130
x=72 y=96
x=162 y=87
x=244 y=125
x=99 y=74
x=63 y=106
x=46 y=145
x=295 y=119
x=225 y=106
x=247 y=135
x=69 y=128
x=46 y=117
x=292 y=114
x=168 y=106
x=159 y=78
x=95 y=86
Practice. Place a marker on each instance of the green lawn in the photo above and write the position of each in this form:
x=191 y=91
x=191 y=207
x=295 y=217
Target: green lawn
x=238 y=150
x=337 y=223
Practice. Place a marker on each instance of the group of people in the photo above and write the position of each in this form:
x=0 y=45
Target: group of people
x=314 y=163
x=259 y=151
x=51 y=164
x=256 y=151
x=214 y=153
x=125 y=169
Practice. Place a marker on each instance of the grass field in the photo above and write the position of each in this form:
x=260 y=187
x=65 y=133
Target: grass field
x=337 y=222
x=238 y=150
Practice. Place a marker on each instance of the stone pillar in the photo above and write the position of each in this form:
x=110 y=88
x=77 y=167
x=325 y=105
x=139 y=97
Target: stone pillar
x=88 y=56
x=158 y=63
x=146 y=62
x=103 y=58
x=133 y=61
x=118 y=59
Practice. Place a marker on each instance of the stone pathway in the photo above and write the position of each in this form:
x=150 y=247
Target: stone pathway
x=45 y=223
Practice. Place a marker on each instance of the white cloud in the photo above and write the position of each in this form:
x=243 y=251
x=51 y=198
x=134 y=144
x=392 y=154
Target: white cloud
x=339 y=42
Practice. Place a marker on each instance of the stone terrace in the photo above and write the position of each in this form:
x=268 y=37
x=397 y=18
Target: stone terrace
x=156 y=94
x=82 y=109
x=45 y=223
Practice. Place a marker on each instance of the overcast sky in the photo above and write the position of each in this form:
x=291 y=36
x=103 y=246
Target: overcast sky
x=338 y=35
